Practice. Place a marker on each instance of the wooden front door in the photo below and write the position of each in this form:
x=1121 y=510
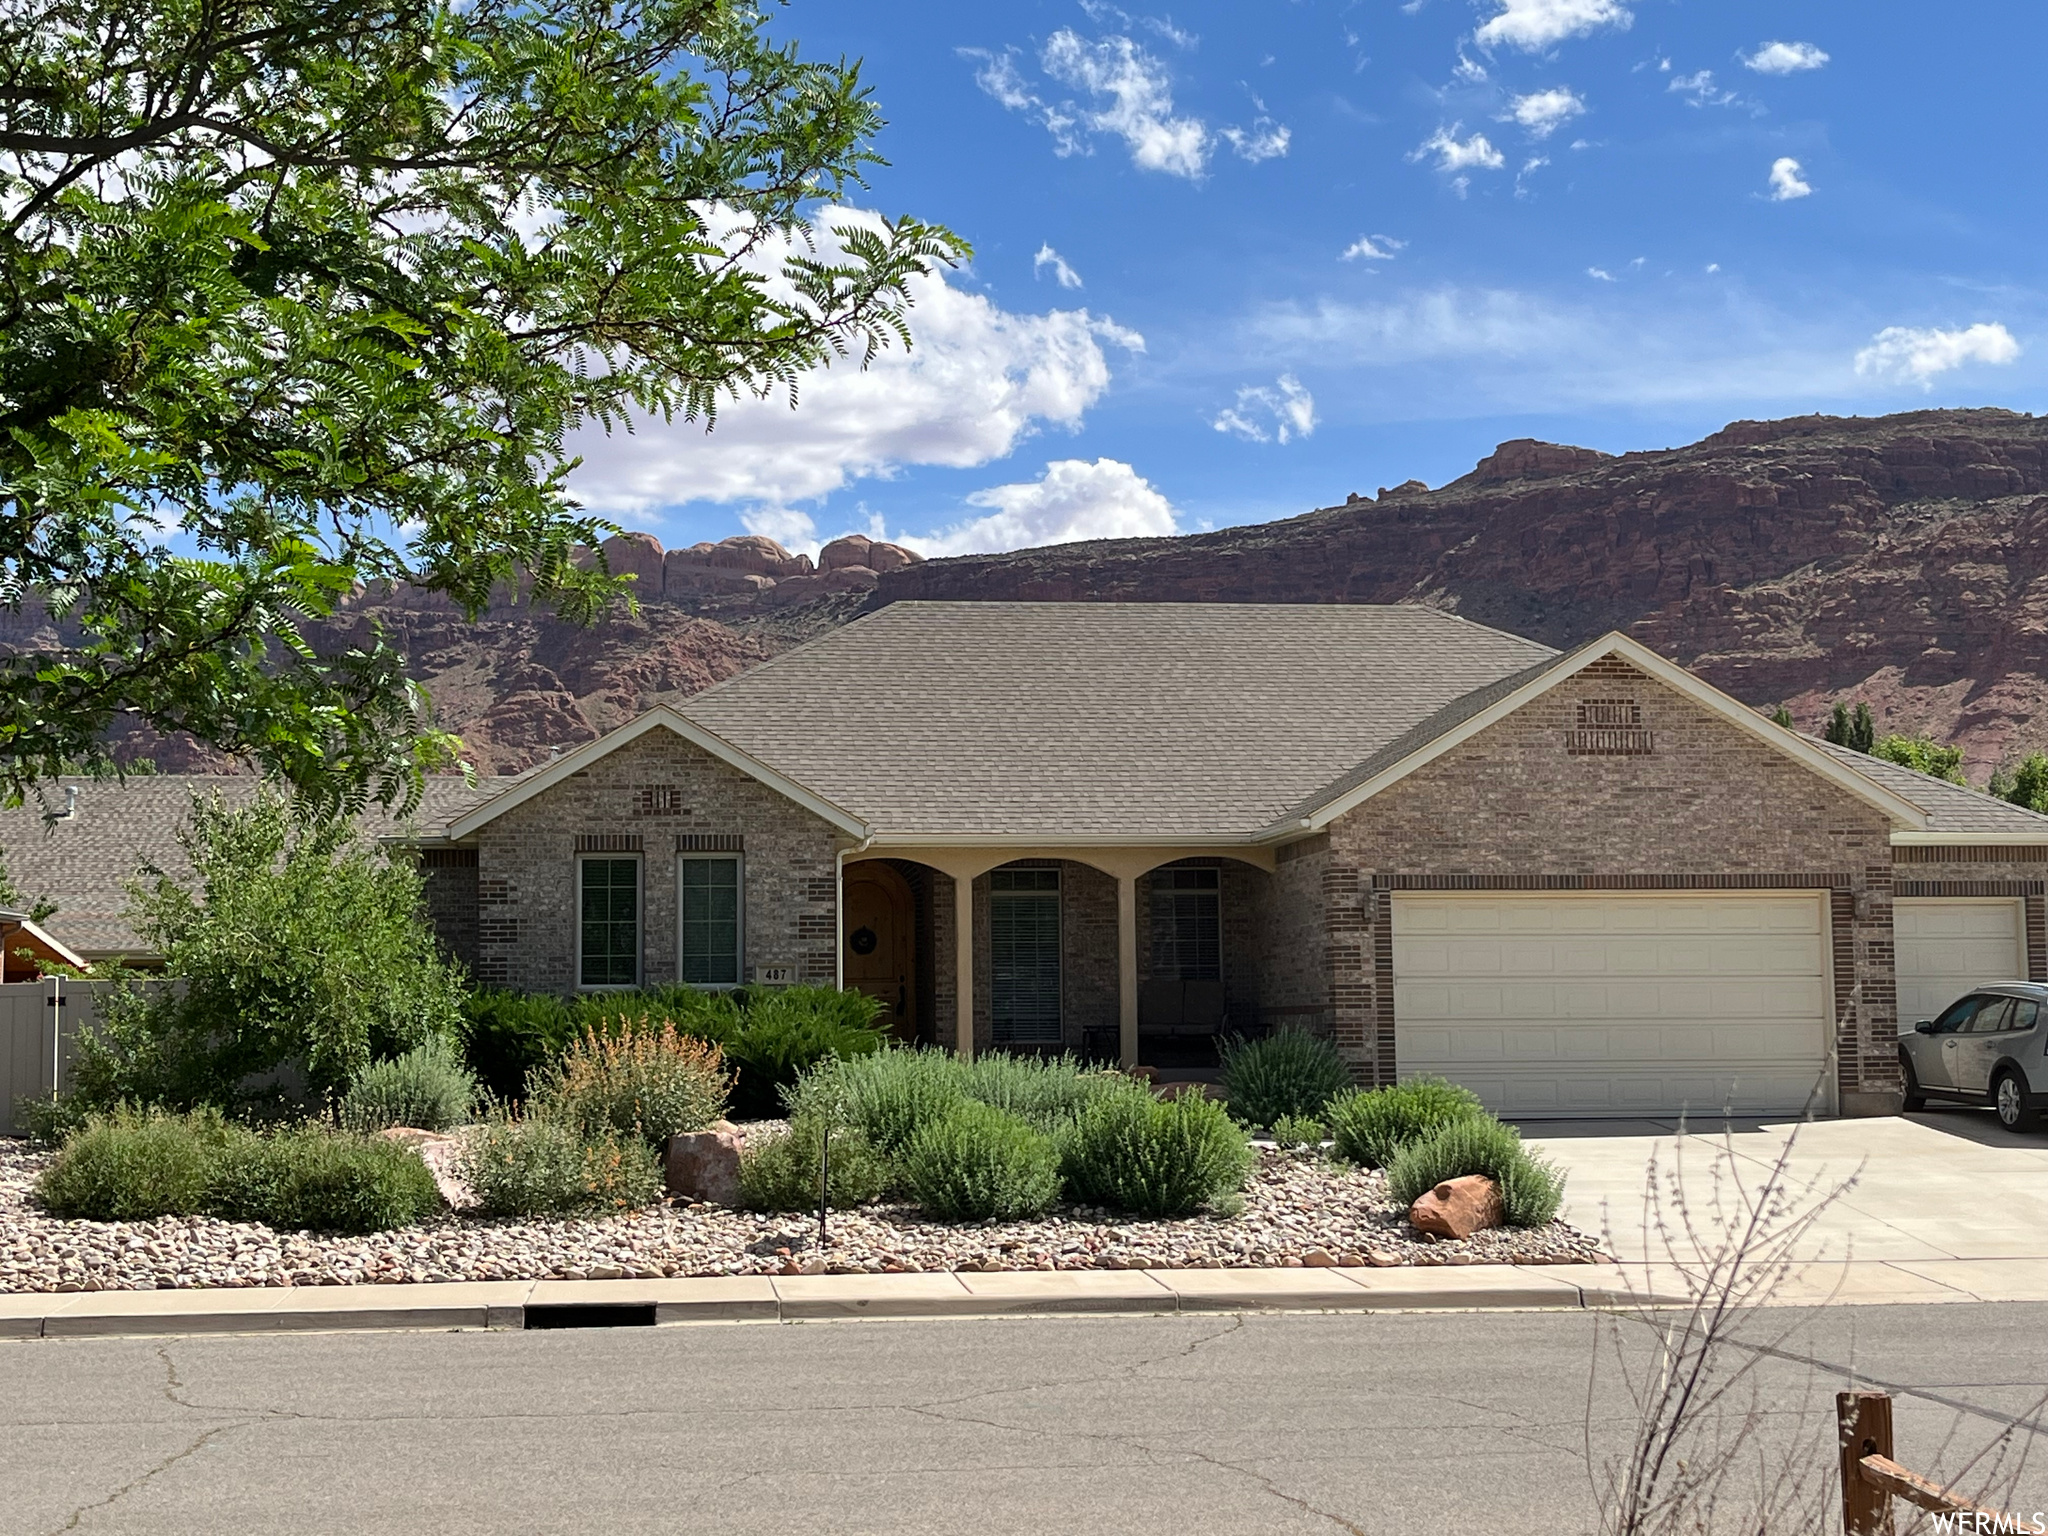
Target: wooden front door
x=881 y=944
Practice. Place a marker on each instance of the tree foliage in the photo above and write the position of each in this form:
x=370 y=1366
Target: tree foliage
x=297 y=295
x=1923 y=754
x=299 y=957
x=2025 y=785
x=1855 y=730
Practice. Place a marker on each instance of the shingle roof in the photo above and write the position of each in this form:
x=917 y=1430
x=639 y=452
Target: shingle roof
x=1950 y=807
x=82 y=863
x=1147 y=720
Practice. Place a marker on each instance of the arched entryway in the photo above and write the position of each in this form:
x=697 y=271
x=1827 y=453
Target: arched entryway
x=880 y=942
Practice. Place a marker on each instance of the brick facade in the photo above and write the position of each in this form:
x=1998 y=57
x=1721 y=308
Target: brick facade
x=641 y=799
x=1679 y=800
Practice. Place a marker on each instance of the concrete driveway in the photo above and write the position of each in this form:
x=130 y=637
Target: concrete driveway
x=1945 y=1200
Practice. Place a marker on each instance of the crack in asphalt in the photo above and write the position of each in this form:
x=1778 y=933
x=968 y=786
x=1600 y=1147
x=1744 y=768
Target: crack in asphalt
x=134 y=1483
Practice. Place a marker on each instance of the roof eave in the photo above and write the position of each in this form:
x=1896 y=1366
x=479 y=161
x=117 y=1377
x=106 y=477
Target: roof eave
x=1935 y=838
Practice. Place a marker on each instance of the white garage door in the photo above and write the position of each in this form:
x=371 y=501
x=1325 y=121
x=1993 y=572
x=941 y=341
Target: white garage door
x=1946 y=945
x=1615 y=1004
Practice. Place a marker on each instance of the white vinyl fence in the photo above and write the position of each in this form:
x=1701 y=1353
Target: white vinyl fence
x=39 y=1025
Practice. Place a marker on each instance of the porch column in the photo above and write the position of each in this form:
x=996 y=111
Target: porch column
x=963 y=964
x=1127 y=969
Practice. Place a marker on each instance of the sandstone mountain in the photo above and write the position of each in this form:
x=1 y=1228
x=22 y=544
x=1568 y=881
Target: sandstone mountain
x=1897 y=559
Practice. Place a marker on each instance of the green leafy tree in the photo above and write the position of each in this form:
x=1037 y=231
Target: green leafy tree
x=2026 y=785
x=299 y=295
x=300 y=957
x=1856 y=730
x=1782 y=716
x=1923 y=754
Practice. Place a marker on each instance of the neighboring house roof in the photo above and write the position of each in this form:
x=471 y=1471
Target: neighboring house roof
x=1955 y=812
x=83 y=862
x=19 y=932
x=1125 y=721
x=1466 y=717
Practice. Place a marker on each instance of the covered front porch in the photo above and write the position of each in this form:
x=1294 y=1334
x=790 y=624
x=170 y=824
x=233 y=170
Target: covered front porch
x=1139 y=955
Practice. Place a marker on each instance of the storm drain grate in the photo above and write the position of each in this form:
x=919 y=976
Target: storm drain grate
x=590 y=1315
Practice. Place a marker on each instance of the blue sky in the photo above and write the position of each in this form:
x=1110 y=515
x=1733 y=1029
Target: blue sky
x=1235 y=261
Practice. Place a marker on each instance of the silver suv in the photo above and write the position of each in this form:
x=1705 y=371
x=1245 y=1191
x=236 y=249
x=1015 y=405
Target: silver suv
x=1986 y=1048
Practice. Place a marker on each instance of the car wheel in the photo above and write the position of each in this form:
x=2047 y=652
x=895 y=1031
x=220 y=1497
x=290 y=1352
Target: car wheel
x=1915 y=1099
x=2009 y=1097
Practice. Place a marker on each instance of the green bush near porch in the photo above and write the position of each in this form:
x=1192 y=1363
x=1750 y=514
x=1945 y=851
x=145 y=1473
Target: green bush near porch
x=979 y=1163
x=1289 y=1072
x=1154 y=1157
x=1531 y=1187
x=1370 y=1126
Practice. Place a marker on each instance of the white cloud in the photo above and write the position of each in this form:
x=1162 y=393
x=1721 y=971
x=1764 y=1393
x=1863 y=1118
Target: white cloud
x=1785 y=58
x=1372 y=248
x=1063 y=274
x=999 y=77
x=1469 y=72
x=1786 y=180
x=1907 y=354
x=795 y=531
x=1453 y=154
x=1704 y=93
x=1131 y=96
x=1600 y=273
x=1074 y=500
x=1279 y=413
x=1543 y=112
x=1264 y=140
x=1535 y=25
x=977 y=381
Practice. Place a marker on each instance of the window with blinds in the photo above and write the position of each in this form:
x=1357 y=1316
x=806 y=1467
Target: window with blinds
x=609 y=942
x=1187 y=925
x=709 y=921
x=1024 y=956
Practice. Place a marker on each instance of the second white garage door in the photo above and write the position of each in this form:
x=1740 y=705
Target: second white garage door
x=1945 y=945
x=1615 y=1004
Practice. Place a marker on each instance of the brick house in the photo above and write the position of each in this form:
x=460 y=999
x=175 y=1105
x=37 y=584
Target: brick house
x=1583 y=883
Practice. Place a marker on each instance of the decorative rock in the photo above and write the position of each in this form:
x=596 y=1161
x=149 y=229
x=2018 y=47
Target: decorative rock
x=705 y=1165
x=442 y=1154
x=1319 y=1258
x=1457 y=1208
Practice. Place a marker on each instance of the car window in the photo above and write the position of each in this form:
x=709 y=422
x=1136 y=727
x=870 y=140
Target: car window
x=2023 y=1015
x=1959 y=1015
x=1989 y=1019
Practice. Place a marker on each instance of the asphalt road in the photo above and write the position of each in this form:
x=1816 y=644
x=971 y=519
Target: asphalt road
x=1266 y=1424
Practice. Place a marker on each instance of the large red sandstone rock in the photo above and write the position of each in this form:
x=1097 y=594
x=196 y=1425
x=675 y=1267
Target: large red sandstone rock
x=1458 y=1207
x=891 y=557
x=705 y=1165
x=637 y=555
x=850 y=550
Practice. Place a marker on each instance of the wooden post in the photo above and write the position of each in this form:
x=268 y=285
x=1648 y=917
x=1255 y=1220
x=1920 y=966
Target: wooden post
x=1864 y=1422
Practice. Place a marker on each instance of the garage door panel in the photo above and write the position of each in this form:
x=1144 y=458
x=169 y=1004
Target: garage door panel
x=1944 y=946
x=1624 y=1004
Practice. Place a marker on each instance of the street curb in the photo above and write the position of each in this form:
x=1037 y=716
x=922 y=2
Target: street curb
x=518 y=1304
x=522 y=1304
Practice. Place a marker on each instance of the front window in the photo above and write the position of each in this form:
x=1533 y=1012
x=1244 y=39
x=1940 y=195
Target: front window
x=1187 y=925
x=1024 y=956
x=610 y=948
x=710 y=921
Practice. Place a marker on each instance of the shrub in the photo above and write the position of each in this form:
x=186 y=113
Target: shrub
x=888 y=1096
x=1048 y=1092
x=654 y=1084
x=1299 y=1131
x=1137 y=1153
x=540 y=1167
x=135 y=1165
x=428 y=1087
x=310 y=1178
x=784 y=1032
x=780 y=1172
x=49 y=1122
x=1370 y=1126
x=978 y=1163
x=1289 y=1072
x=507 y=1035
x=302 y=959
x=1531 y=1187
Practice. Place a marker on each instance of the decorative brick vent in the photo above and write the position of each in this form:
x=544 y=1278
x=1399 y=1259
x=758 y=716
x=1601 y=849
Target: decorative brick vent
x=607 y=842
x=658 y=800
x=448 y=858
x=710 y=842
x=1609 y=728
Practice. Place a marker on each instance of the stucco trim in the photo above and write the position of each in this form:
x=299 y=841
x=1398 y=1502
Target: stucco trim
x=661 y=717
x=1918 y=839
x=1643 y=659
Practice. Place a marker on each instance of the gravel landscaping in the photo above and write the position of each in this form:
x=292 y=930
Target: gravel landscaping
x=1299 y=1210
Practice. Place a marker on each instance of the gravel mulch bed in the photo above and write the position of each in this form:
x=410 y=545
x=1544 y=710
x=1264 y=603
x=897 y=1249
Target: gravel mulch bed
x=1299 y=1211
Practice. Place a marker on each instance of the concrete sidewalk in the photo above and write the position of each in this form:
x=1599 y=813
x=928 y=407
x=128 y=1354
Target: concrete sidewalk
x=515 y=1304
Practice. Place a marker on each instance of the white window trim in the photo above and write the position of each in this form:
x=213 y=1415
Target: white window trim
x=739 y=863
x=639 y=923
